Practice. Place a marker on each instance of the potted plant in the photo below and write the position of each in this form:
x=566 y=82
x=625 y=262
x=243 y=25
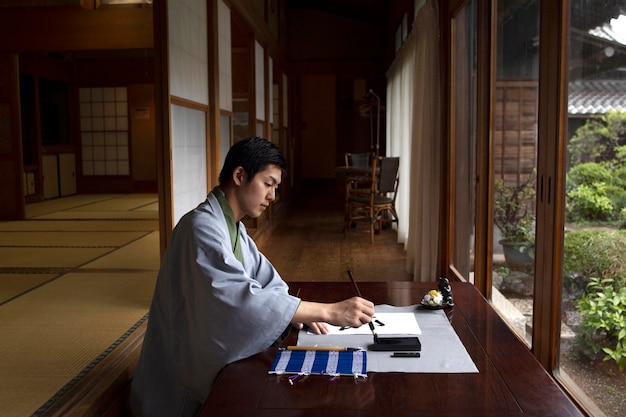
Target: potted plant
x=514 y=216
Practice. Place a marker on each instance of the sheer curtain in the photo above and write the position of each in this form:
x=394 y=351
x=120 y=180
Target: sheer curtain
x=413 y=132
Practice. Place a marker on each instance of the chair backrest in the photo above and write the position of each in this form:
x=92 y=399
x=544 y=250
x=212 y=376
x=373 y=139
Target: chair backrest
x=388 y=173
x=358 y=159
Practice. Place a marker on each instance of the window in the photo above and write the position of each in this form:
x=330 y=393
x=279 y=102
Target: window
x=550 y=91
x=515 y=111
x=104 y=131
x=595 y=195
x=464 y=139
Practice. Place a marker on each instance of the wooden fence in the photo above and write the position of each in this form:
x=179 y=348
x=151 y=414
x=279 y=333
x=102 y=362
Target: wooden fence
x=515 y=128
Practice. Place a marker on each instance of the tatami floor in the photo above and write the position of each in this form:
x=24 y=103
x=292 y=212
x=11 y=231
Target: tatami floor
x=74 y=277
x=78 y=275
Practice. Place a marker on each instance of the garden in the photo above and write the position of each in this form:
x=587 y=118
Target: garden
x=593 y=354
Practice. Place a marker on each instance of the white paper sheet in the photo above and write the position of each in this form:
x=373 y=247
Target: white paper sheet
x=384 y=324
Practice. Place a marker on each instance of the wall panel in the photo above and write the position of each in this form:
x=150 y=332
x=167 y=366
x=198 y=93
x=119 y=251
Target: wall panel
x=188 y=159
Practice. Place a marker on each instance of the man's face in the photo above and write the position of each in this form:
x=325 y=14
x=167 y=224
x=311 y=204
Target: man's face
x=255 y=194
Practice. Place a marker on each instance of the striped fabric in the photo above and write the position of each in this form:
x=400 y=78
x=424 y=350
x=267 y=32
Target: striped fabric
x=307 y=362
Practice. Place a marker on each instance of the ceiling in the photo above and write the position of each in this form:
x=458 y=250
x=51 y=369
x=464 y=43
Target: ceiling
x=369 y=11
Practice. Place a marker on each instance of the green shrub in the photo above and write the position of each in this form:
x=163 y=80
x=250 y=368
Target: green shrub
x=592 y=253
x=596 y=184
x=603 y=308
x=587 y=173
x=619 y=176
x=594 y=261
x=595 y=191
x=595 y=253
x=589 y=202
x=618 y=199
x=599 y=139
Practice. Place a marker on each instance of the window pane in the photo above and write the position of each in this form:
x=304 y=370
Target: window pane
x=464 y=186
x=241 y=126
x=594 y=265
x=514 y=162
x=104 y=130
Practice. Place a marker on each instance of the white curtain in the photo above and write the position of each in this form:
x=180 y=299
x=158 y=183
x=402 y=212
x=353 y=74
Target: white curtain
x=399 y=115
x=413 y=133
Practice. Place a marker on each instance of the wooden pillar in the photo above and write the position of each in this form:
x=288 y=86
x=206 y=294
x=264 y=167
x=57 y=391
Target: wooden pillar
x=12 y=203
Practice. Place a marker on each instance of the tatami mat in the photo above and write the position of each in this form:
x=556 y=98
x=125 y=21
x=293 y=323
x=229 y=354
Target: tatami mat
x=48 y=257
x=12 y=285
x=65 y=203
x=75 y=277
x=81 y=225
x=65 y=239
x=53 y=332
x=141 y=254
x=117 y=204
x=77 y=214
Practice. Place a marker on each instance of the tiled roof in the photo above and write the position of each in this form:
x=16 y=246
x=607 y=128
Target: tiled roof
x=591 y=97
x=596 y=97
x=614 y=31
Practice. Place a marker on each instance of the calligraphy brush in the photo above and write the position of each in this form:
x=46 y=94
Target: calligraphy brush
x=356 y=288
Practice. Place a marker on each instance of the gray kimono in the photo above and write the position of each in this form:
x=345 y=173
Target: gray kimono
x=208 y=310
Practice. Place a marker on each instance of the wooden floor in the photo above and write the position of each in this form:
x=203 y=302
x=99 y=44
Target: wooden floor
x=310 y=245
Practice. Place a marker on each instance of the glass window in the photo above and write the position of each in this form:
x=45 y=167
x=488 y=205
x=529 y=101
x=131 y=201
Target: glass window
x=464 y=139
x=514 y=162
x=593 y=340
x=241 y=115
x=104 y=131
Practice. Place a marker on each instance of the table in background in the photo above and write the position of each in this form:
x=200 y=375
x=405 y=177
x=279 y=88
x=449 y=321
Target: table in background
x=355 y=177
x=355 y=173
x=510 y=381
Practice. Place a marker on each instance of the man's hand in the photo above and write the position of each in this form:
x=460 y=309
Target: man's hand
x=353 y=312
x=316 y=327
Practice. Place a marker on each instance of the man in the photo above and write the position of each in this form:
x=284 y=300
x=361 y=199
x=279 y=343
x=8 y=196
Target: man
x=217 y=298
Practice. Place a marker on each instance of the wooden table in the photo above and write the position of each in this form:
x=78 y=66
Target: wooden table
x=351 y=170
x=510 y=381
x=355 y=174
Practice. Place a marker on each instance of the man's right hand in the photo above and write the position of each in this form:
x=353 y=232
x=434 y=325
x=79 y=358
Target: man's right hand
x=353 y=312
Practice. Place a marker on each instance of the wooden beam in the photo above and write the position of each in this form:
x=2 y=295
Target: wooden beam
x=12 y=204
x=552 y=128
x=74 y=29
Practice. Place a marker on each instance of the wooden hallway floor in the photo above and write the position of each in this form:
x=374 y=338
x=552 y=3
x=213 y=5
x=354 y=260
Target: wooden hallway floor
x=310 y=244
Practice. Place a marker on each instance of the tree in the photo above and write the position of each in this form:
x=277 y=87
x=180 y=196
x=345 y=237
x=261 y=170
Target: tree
x=599 y=139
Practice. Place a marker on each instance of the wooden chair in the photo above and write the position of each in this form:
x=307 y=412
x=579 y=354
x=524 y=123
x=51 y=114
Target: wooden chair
x=359 y=179
x=376 y=206
x=361 y=163
x=358 y=159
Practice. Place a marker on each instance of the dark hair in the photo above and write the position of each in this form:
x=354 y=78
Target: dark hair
x=253 y=155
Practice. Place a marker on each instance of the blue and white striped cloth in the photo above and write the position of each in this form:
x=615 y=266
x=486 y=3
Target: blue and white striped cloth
x=307 y=362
